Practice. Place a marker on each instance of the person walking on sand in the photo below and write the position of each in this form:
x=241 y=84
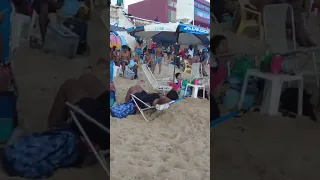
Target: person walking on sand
x=158 y=57
x=149 y=59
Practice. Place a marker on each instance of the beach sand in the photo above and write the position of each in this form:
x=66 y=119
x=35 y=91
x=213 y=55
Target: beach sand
x=173 y=146
x=258 y=146
x=39 y=76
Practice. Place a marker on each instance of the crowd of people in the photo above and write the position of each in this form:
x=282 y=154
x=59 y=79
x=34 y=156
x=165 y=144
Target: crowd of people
x=155 y=55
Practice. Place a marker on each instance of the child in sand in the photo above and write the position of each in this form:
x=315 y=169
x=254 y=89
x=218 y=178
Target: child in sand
x=219 y=67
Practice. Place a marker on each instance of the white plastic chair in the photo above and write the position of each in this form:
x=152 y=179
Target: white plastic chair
x=159 y=85
x=275 y=16
x=196 y=69
x=17 y=22
x=272 y=90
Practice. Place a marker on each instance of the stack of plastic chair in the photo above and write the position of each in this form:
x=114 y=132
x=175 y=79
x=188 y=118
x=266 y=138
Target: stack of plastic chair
x=255 y=20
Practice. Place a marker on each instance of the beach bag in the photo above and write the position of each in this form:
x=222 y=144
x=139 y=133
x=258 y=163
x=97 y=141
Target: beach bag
x=81 y=29
x=38 y=155
x=123 y=110
x=129 y=74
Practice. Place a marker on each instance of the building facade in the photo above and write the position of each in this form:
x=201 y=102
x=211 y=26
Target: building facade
x=165 y=11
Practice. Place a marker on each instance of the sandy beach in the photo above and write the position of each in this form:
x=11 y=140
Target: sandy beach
x=173 y=146
x=257 y=146
x=39 y=76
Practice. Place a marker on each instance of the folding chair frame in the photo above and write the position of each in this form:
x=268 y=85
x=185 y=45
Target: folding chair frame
x=135 y=99
x=99 y=156
x=156 y=84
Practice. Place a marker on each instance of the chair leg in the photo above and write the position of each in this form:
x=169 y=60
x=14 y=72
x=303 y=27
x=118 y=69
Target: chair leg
x=261 y=31
x=241 y=28
x=101 y=161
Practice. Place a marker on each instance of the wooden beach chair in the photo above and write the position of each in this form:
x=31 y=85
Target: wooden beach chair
x=157 y=84
x=100 y=155
x=135 y=99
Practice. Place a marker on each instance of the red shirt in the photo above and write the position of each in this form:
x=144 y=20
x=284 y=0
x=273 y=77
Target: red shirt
x=153 y=45
x=182 y=53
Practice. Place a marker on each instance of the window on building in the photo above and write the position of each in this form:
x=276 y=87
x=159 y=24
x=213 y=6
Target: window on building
x=172 y=3
x=202 y=13
x=171 y=15
x=201 y=6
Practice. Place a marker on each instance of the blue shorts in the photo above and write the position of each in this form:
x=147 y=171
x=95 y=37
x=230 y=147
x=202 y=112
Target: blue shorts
x=138 y=51
x=158 y=60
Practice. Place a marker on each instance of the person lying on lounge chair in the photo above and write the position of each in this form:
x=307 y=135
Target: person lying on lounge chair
x=91 y=96
x=152 y=99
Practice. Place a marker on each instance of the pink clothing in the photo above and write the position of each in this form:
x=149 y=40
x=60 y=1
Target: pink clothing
x=217 y=78
x=175 y=86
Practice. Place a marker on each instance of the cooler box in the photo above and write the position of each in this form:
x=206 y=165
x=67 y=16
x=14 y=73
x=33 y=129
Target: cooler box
x=8 y=115
x=61 y=40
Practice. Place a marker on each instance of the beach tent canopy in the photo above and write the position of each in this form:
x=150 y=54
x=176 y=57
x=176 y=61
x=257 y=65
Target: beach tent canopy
x=172 y=33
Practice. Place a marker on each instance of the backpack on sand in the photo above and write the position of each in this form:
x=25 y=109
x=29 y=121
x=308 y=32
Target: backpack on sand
x=39 y=155
x=123 y=110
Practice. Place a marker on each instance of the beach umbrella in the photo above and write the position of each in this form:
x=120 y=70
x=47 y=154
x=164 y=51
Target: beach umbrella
x=172 y=33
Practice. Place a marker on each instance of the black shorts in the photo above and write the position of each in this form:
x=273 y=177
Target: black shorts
x=146 y=97
x=98 y=109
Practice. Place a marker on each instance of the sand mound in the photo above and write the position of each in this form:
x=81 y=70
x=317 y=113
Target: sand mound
x=174 y=145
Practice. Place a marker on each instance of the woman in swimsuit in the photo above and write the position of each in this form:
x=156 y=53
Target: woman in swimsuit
x=150 y=98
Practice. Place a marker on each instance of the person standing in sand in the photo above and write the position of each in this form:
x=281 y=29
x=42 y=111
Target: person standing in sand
x=159 y=53
x=149 y=59
x=125 y=56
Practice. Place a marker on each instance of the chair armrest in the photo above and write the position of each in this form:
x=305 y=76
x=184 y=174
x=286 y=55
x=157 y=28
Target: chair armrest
x=252 y=11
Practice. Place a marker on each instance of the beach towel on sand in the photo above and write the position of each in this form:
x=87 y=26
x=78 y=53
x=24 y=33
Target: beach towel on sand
x=38 y=155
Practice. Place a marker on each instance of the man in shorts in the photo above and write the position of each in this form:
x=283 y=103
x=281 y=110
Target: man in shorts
x=159 y=53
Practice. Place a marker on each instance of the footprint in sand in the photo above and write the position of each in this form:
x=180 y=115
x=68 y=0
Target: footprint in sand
x=171 y=135
x=164 y=157
x=131 y=148
x=179 y=163
x=183 y=139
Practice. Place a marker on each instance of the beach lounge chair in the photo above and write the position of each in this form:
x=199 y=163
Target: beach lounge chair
x=101 y=155
x=135 y=99
x=157 y=84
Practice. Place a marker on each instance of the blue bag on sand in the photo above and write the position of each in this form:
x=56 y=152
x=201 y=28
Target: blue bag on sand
x=123 y=110
x=39 y=155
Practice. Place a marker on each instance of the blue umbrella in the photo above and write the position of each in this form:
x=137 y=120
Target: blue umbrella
x=172 y=33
